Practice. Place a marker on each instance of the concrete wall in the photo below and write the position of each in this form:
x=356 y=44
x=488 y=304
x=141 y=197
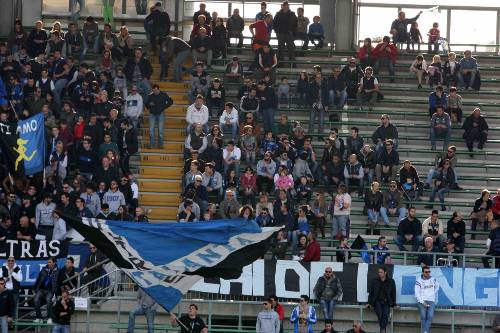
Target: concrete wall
x=9 y=11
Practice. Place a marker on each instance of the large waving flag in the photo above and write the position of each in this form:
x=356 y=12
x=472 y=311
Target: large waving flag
x=23 y=145
x=167 y=259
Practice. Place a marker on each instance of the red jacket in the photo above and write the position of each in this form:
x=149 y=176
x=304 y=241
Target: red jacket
x=313 y=252
x=246 y=183
x=362 y=53
x=281 y=312
x=78 y=131
x=261 y=34
x=495 y=208
x=380 y=52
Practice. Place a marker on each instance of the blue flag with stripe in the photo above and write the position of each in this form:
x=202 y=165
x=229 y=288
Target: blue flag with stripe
x=31 y=144
x=167 y=259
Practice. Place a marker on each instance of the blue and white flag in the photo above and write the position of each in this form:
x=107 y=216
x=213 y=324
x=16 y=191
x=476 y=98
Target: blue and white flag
x=167 y=259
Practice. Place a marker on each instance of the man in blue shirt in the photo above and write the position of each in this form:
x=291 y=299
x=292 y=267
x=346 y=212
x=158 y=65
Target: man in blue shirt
x=468 y=69
x=381 y=258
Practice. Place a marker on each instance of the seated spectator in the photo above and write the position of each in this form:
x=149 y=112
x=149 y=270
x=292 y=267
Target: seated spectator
x=387 y=163
x=368 y=160
x=232 y=157
x=249 y=145
x=354 y=174
x=235 y=27
x=197 y=192
x=248 y=182
x=440 y=127
x=385 y=131
x=266 y=168
x=493 y=246
x=301 y=168
x=399 y=29
x=194 y=170
x=334 y=145
x=267 y=62
x=202 y=22
x=283 y=180
x=194 y=209
x=482 y=206
x=200 y=81
x=264 y=219
x=37 y=40
x=82 y=210
x=202 y=48
x=196 y=141
x=187 y=215
x=231 y=182
x=303 y=190
x=385 y=54
x=435 y=72
x=316 y=33
x=433 y=228
x=234 y=71
x=495 y=207
x=365 y=54
x=353 y=74
x=340 y=209
x=216 y=96
x=373 y=202
x=409 y=231
x=455 y=231
x=337 y=86
x=438 y=165
x=334 y=175
x=354 y=142
x=114 y=197
x=410 y=181
x=280 y=246
x=229 y=208
x=450 y=259
x=122 y=214
x=212 y=180
x=229 y=120
x=419 y=67
x=197 y=113
x=451 y=68
x=444 y=180
x=368 y=90
x=356 y=328
x=382 y=256
x=26 y=231
x=468 y=70
x=475 y=129
x=214 y=154
x=125 y=43
x=250 y=103
x=215 y=133
x=427 y=255
x=74 y=41
x=299 y=252
x=313 y=249
x=437 y=98
x=455 y=106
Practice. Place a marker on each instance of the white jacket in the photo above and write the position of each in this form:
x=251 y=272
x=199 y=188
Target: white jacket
x=233 y=117
x=133 y=106
x=426 y=290
x=195 y=115
x=16 y=276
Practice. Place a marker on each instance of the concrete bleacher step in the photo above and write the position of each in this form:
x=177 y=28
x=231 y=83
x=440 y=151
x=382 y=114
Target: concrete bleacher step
x=168 y=148
x=160 y=186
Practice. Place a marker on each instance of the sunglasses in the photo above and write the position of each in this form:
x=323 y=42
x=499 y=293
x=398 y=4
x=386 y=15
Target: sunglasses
x=427 y=272
x=10 y=260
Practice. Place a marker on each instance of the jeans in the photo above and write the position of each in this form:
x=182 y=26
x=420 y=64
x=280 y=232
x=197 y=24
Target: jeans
x=433 y=172
x=75 y=15
x=327 y=307
x=60 y=328
x=426 y=314
x=367 y=98
x=144 y=87
x=384 y=213
x=338 y=98
x=230 y=127
x=434 y=45
x=39 y=296
x=95 y=46
x=59 y=86
x=293 y=239
x=179 y=61
x=373 y=216
x=401 y=241
x=150 y=318
x=339 y=224
x=304 y=38
x=440 y=192
x=141 y=7
x=316 y=40
x=461 y=79
x=387 y=63
x=316 y=112
x=156 y=120
x=382 y=310
x=438 y=133
x=4 y=324
x=268 y=119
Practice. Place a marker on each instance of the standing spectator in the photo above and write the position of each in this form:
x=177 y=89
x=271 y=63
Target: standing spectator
x=415 y=37
x=90 y=35
x=197 y=113
x=399 y=28
x=6 y=312
x=268 y=320
x=12 y=276
x=482 y=207
x=37 y=40
x=316 y=33
x=387 y=163
x=202 y=11
x=313 y=249
x=434 y=36
x=157 y=25
x=134 y=107
x=285 y=25
x=67 y=279
x=200 y=81
x=455 y=106
x=234 y=71
x=276 y=306
x=235 y=27
x=475 y=129
x=382 y=297
x=328 y=291
x=229 y=207
x=43 y=216
x=219 y=39
x=432 y=227
x=45 y=289
x=353 y=73
x=301 y=31
x=455 y=230
x=493 y=246
x=440 y=127
x=216 y=95
x=63 y=310
x=138 y=71
x=443 y=182
x=145 y=306
x=128 y=145
x=368 y=89
x=176 y=49
x=202 y=48
x=354 y=174
x=409 y=231
x=268 y=104
x=373 y=203
x=451 y=68
x=426 y=293
x=303 y=316
x=341 y=211
x=158 y=103
x=318 y=99
x=191 y=322
x=261 y=32
x=385 y=55
x=202 y=24
x=468 y=70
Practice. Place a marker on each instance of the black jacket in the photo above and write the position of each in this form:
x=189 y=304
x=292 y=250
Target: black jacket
x=158 y=103
x=5 y=303
x=313 y=93
x=235 y=23
x=130 y=140
x=87 y=160
x=453 y=227
x=44 y=273
x=469 y=122
x=411 y=173
x=369 y=161
x=383 y=133
x=285 y=22
x=144 y=66
x=271 y=100
x=390 y=291
x=64 y=319
x=407 y=227
x=65 y=274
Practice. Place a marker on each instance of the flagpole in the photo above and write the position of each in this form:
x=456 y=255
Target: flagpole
x=179 y=322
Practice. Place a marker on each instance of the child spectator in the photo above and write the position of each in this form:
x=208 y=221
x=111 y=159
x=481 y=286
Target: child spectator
x=316 y=32
x=303 y=191
x=120 y=82
x=434 y=35
x=435 y=71
x=455 y=106
x=419 y=67
x=216 y=95
x=249 y=146
x=284 y=91
x=415 y=37
x=268 y=144
x=451 y=69
x=302 y=85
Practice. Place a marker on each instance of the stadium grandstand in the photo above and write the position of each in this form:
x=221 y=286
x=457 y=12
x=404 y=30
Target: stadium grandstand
x=247 y=166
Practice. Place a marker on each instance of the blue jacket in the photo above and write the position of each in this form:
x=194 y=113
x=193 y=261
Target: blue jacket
x=311 y=318
x=434 y=100
x=316 y=29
